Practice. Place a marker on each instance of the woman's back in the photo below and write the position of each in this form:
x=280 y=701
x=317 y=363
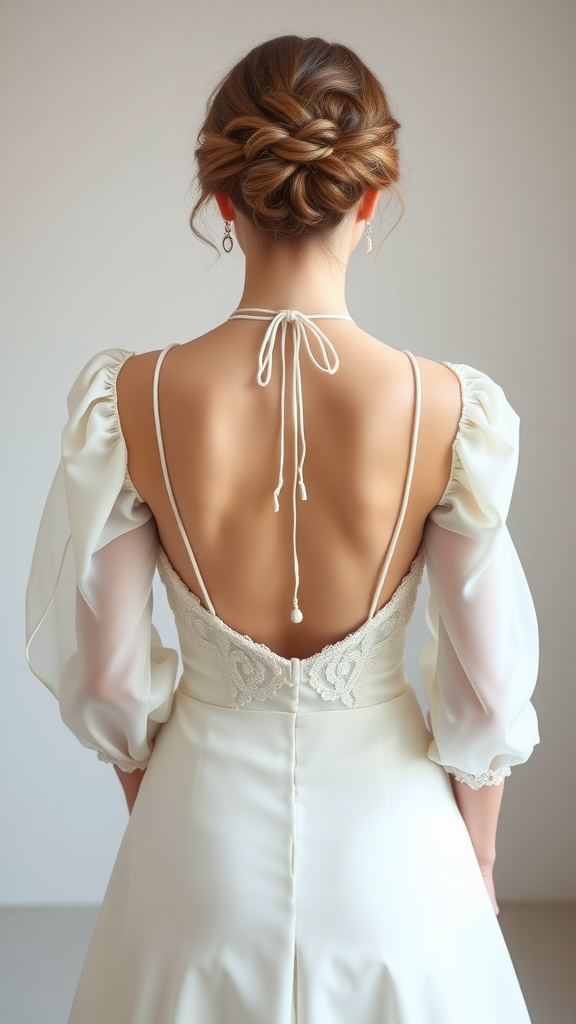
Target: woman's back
x=221 y=434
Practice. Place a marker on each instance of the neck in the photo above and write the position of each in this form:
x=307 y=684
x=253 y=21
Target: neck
x=296 y=276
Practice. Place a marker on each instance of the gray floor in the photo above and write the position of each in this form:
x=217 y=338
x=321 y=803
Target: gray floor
x=42 y=948
x=541 y=938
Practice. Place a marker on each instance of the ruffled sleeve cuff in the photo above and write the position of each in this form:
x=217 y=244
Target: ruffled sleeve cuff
x=124 y=766
x=488 y=778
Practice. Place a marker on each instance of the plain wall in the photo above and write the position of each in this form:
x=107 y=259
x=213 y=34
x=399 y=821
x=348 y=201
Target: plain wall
x=101 y=101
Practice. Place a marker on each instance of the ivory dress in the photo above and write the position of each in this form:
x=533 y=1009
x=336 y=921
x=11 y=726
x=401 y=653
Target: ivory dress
x=295 y=854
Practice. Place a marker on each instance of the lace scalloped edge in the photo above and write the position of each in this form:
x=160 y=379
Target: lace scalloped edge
x=124 y=766
x=492 y=777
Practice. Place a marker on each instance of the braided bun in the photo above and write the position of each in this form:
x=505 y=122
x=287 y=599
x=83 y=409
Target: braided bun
x=295 y=134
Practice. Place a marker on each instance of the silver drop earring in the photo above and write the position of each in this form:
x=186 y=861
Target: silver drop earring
x=228 y=241
x=368 y=236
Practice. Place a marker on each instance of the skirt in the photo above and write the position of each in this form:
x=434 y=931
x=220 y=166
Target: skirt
x=296 y=868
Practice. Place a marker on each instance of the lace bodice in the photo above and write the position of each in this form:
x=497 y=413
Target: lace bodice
x=255 y=673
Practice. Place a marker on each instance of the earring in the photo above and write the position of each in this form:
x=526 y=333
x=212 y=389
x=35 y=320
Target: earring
x=228 y=241
x=368 y=236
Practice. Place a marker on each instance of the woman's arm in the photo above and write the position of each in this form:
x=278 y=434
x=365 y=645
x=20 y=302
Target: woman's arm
x=480 y=809
x=131 y=782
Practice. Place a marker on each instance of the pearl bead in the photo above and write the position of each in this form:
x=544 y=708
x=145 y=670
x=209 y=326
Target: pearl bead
x=296 y=615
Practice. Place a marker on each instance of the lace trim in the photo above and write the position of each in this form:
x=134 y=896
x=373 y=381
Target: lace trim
x=338 y=672
x=492 y=777
x=125 y=766
x=252 y=671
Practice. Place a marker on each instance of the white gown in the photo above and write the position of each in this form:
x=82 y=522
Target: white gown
x=295 y=854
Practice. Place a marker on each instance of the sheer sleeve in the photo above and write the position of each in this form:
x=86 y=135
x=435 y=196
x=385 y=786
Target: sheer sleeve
x=480 y=669
x=89 y=632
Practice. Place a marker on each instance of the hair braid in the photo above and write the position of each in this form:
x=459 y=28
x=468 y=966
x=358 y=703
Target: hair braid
x=295 y=134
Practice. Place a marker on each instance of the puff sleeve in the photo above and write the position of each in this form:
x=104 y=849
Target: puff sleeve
x=480 y=669
x=89 y=633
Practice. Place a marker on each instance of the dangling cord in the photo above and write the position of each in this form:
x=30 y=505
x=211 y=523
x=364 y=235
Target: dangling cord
x=329 y=364
x=280 y=483
x=298 y=424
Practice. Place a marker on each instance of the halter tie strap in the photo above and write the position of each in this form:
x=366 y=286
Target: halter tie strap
x=328 y=363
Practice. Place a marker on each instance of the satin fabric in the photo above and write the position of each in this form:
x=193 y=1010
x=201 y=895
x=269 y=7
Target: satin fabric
x=481 y=667
x=295 y=861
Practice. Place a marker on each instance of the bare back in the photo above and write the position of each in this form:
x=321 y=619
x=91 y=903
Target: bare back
x=221 y=439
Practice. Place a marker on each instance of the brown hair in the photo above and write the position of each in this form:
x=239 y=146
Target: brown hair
x=294 y=134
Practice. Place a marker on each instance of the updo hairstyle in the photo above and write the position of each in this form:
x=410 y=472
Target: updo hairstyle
x=295 y=133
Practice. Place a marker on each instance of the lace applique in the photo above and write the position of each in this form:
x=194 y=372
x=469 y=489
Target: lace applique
x=252 y=671
x=338 y=672
x=125 y=766
x=492 y=777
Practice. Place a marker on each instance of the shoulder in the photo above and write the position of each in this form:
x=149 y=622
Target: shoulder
x=485 y=407
x=135 y=406
x=441 y=411
x=484 y=455
x=94 y=458
x=135 y=380
x=467 y=412
x=137 y=370
x=467 y=401
x=442 y=399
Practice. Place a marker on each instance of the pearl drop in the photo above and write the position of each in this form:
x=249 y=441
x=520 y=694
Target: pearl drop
x=296 y=615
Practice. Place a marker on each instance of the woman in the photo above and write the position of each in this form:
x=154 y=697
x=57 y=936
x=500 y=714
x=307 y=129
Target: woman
x=301 y=847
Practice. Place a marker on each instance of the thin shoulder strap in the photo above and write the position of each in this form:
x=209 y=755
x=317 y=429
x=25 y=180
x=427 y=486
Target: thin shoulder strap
x=169 y=490
x=407 y=485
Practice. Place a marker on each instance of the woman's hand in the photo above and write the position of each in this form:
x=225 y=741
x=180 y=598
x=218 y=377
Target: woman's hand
x=480 y=809
x=131 y=782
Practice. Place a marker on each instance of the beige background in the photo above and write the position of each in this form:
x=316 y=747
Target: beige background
x=100 y=103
